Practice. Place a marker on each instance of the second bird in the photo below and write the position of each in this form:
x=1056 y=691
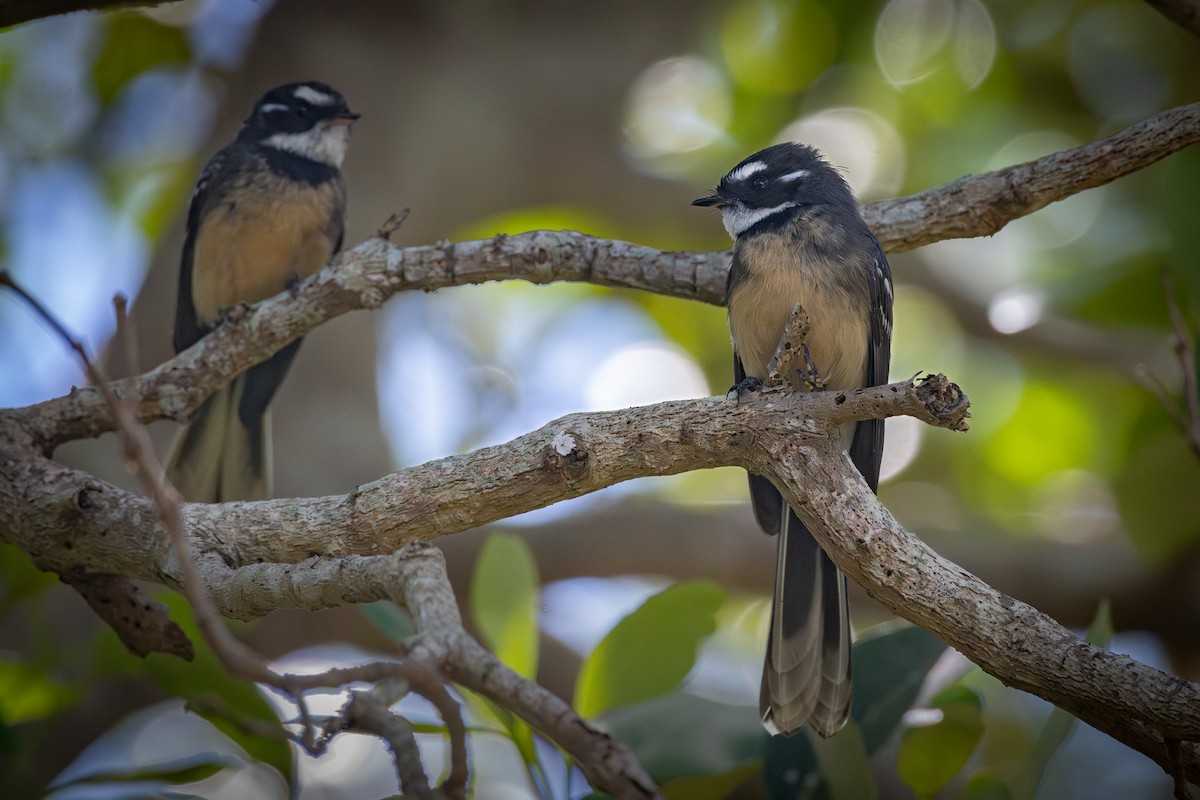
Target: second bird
x=269 y=210
x=798 y=237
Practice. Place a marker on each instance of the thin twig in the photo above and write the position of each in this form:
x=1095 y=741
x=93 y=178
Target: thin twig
x=138 y=454
x=393 y=223
x=1184 y=13
x=238 y=658
x=126 y=336
x=1184 y=347
x=365 y=711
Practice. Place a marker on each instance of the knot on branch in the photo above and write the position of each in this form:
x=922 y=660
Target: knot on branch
x=944 y=401
x=75 y=501
x=567 y=456
x=141 y=622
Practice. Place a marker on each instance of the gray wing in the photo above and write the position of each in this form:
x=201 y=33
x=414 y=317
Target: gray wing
x=866 y=451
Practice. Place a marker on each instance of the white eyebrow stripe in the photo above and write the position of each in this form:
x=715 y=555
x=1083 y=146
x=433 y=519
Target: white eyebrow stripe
x=272 y=107
x=746 y=170
x=313 y=96
x=794 y=176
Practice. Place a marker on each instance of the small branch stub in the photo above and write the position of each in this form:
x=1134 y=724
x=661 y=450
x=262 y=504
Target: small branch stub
x=944 y=400
x=567 y=456
x=792 y=365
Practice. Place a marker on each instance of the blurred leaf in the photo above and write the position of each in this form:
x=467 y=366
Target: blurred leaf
x=186 y=769
x=697 y=327
x=1052 y=429
x=27 y=692
x=233 y=705
x=134 y=45
x=844 y=764
x=135 y=791
x=710 y=787
x=777 y=46
x=650 y=651
x=930 y=756
x=890 y=665
x=504 y=602
x=789 y=766
x=19 y=578
x=392 y=620
x=151 y=193
x=986 y=786
x=1162 y=467
x=684 y=735
x=538 y=218
x=1131 y=295
x=1060 y=723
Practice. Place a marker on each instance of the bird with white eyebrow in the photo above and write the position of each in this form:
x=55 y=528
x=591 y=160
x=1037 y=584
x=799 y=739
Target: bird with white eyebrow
x=798 y=237
x=268 y=210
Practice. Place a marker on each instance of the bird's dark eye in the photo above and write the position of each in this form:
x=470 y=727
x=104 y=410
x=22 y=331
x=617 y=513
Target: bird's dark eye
x=760 y=183
x=303 y=110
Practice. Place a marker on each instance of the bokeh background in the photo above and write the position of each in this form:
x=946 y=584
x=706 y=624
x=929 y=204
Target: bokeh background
x=1072 y=485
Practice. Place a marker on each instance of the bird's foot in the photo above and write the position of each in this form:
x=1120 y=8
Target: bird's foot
x=743 y=387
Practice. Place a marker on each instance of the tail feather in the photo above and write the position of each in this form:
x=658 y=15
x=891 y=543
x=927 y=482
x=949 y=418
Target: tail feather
x=806 y=675
x=216 y=458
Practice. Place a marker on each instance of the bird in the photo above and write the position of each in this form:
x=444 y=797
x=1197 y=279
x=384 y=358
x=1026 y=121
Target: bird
x=268 y=210
x=798 y=236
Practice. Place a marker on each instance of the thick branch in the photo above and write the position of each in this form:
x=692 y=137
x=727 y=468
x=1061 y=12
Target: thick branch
x=788 y=436
x=980 y=205
x=14 y=12
x=571 y=456
x=1184 y=13
x=370 y=273
x=1138 y=705
x=415 y=577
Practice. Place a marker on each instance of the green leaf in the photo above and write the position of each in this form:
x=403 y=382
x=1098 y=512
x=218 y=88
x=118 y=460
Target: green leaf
x=890 y=664
x=682 y=735
x=391 y=620
x=1161 y=466
x=986 y=786
x=711 y=787
x=1060 y=723
x=19 y=578
x=504 y=602
x=930 y=756
x=187 y=769
x=649 y=652
x=789 y=766
x=232 y=705
x=844 y=764
x=135 y=44
x=27 y=692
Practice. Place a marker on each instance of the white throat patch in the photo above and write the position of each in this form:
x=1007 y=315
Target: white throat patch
x=326 y=142
x=738 y=218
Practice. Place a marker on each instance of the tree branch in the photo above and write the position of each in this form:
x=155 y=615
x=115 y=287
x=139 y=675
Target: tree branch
x=14 y=12
x=1184 y=13
x=980 y=205
x=790 y=437
x=64 y=518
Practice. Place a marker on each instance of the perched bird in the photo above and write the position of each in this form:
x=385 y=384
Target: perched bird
x=269 y=209
x=798 y=236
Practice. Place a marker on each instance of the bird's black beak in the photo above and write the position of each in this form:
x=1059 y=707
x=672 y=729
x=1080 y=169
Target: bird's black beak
x=709 y=200
x=345 y=117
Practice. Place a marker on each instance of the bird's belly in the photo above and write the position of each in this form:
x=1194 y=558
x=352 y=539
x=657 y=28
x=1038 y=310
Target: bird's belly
x=837 y=341
x=251 y=252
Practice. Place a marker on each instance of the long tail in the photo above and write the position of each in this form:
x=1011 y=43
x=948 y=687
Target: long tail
x=217 y=458
x=806 y=676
